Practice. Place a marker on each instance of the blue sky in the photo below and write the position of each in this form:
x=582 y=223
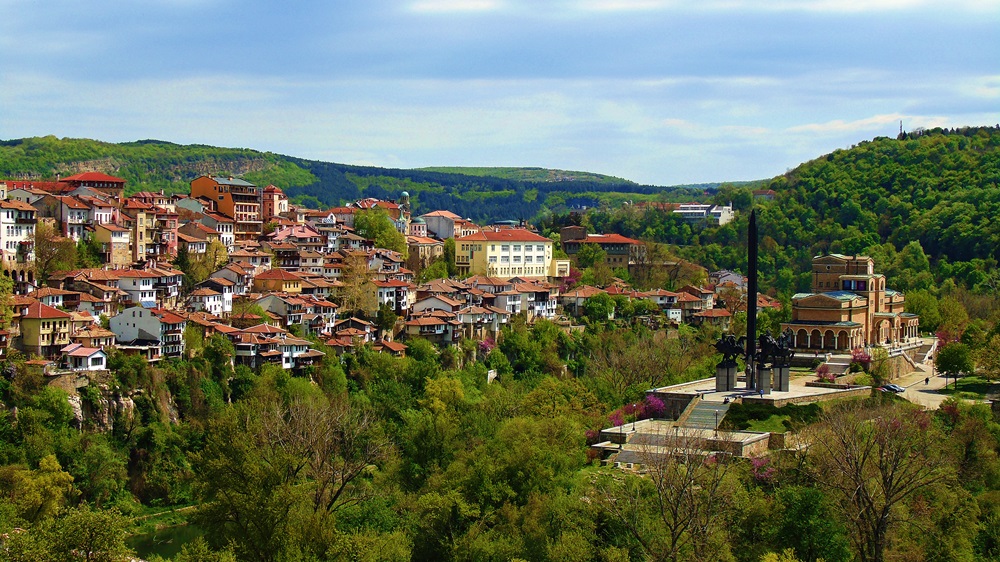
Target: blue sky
x=655 y=91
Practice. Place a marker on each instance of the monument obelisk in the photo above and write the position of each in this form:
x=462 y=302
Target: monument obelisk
x=752 y=302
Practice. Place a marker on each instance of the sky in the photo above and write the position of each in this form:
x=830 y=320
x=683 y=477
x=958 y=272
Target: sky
x=659 y=92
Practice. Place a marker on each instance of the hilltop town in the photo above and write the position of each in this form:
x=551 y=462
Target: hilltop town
x=222 y=371
x=238 y=259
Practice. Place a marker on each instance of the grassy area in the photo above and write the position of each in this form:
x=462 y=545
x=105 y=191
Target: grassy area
x=971 y=387
x=773 y=424
x=765 y=417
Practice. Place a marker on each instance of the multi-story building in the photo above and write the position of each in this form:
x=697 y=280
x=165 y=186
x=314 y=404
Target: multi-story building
x=849 y=307
x=508 y=252
x=72 y=213
x=712 y=214
x=108 y=185
x=140 y=219
x=144 y=328
x=277 y=281
x=234 y=198
x=44 y=330
x=225 y=226
x=619 y=251
x=17 y=239
x=115 y=242
x=273 y=203
x=139 y=286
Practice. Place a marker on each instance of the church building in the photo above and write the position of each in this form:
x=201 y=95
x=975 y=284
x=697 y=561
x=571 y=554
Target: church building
x=849 y=307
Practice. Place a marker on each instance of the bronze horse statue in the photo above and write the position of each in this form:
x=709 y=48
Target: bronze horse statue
x=731 y=347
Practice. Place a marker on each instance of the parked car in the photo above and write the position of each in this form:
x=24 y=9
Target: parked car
x=892 y=388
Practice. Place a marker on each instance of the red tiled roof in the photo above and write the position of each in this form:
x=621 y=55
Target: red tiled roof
x=93 y=176
x=39 y=311
x=609 y=239
x=505 y=235
x=279 y=274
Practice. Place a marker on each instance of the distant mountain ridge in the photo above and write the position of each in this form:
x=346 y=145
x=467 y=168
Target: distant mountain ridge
x=481 y=194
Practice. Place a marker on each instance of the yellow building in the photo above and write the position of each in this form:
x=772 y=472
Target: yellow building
x=849 y=307
x=277 y=281
x=140 y=219
x=44 y=330
x=508 y=252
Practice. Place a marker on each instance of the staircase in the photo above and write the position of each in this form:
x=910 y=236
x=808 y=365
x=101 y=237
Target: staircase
x=702 y=416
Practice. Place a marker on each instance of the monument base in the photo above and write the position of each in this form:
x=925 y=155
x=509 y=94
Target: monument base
x=781 y=379
x=763 y=380
x=725 y=378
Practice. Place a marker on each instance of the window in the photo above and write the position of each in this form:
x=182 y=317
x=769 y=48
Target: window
x=517 y=247
x=517 y=259
x=540 y=248
x=505 y=248
x=504 y=259
x=493 y=259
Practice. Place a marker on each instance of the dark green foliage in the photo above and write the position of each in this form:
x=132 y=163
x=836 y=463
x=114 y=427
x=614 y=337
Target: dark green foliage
x=740 y=414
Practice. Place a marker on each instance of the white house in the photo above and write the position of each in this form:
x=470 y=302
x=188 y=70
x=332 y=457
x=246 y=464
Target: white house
x=139 y=325
x=80 y=358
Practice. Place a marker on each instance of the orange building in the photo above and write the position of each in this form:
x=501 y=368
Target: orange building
x=849 y=307
x=234 y=198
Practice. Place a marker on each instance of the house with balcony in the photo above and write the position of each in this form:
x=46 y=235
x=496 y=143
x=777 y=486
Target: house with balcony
x=225 y=226
x=241 y=278
x=44 y=330
x=101 y=211
x=396 y=294
x=17 y=242
x=116 y=244
x=234 y=198
x=168 y=284
x=72 y=214
x=148 y=330
x=207 y=300
x=140 y=219
x=139 y=286
x=225 y=288
x=435 y=328
x=94 y=336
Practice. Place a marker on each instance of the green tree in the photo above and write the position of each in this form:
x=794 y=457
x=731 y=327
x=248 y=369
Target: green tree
x=590 y=255
x=872 y=461
x=358 y=295
x=954 y=359
x=386 y=318
x=376 y=225
x=52 y=252
x=449 y=257
x=599 y=308
x=88 y=252
x=988 y=358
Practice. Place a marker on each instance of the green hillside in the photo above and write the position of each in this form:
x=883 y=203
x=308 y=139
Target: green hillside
x=482 y=194
x=527 y=174
x=924 y=205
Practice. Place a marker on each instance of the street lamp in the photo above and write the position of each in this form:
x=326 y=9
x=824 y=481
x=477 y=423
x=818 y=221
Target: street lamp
x=716 y=423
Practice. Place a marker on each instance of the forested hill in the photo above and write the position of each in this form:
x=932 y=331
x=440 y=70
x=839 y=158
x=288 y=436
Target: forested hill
x=938 y=187
x=926 y=206
x=479 y=193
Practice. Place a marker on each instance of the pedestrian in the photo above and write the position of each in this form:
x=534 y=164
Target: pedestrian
x=927 y=380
